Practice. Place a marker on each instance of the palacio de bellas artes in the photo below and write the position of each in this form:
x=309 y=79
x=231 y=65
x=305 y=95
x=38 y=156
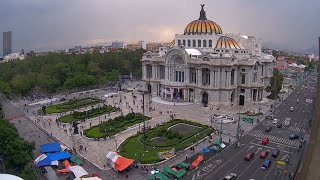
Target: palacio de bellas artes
x=205 y=66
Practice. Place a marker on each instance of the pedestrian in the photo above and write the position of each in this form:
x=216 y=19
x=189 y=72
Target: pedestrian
x=85 y=148
x=127 y=176
x=186 y=156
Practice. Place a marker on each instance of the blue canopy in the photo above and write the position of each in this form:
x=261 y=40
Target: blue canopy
x=59 y=156
x=45 y=162
x=206 y=149
x=50 y=147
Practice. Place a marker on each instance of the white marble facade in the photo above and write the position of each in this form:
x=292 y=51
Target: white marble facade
x=208 y=67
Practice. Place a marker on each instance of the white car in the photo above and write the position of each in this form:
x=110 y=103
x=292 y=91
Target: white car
x=230 y=176
x=291 y=109
x=275 y=121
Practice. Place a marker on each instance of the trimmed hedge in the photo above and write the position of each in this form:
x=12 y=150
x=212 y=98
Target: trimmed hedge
x=114 y=126
x=95 y=112
x=72 y=104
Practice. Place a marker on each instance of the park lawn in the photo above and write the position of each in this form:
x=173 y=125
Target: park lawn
x=66 y=119
x=94 y=132
x=134 y=144
x=72 y=104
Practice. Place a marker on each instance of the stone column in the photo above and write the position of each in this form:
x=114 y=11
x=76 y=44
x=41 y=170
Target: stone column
x=236 y=78
x=187 y=75
x=153 y=72
x=199 y=74
x=144 y=72
x=222 y=78
x=211 y=78
x=166 y=74
x=218 y=78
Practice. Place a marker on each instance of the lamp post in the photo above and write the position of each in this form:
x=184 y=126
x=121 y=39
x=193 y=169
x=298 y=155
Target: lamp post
x=144 y=120
x=238 y=128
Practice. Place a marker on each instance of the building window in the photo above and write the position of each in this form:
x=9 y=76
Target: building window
x=254 y=77
x=199 y=43
x=243 y=79
x=204 y=43
x=194 y=43
x=232 y=77
x=243 y=70
x=205 y=77
x=149 y=71
x=184 y=42
x=242 y=91
x=236 y=51
x=179 y=42
x=179 y=76
x=193 y=75
x=162 y=72
x=262 y=69
x=189 y=42
x=210 y=43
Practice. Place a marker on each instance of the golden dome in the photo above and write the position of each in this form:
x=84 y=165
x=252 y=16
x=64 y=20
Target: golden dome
x=202 y=26
x=225 y=42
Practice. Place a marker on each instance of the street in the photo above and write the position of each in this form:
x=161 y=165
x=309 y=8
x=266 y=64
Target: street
x=231 y=160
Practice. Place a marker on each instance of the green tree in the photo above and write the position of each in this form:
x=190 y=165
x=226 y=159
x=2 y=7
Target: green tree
x=275 y=84
x=5 y=88
x=112 y=76
x=29 y=173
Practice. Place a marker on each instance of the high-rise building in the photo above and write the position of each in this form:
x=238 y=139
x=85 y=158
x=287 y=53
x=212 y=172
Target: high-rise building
x=7 y=43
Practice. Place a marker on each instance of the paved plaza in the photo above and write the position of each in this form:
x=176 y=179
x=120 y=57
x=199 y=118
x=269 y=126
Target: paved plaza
x=95 y=150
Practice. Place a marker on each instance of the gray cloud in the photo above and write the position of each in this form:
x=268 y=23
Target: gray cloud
x=47 y=24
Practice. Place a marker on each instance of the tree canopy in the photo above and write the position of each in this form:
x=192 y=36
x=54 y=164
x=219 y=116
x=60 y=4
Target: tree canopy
x=54 y=72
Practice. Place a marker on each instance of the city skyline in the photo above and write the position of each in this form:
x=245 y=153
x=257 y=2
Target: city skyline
x=45 y=25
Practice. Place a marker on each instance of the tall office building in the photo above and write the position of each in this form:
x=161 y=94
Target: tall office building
x=7 y=43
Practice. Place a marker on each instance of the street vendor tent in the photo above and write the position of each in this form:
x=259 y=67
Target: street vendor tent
x=76 y=160
x=78 y=171
x=50 y=147
x=91 y=178
x=51 y=159
x=177 y=174
x=184 y=165
x=118 y=162
x=197 y=161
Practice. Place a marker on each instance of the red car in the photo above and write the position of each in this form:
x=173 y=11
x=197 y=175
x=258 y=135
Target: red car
x=264 y=154
x=265 y=141
x=248 y=156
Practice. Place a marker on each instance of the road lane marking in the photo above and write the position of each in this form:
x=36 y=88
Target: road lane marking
x=231 y=159
x=249 y=166
x=270 y=147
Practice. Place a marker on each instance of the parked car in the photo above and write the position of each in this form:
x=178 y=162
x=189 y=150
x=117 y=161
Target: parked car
x=293 y=136
x=275 y=121
x=275 y=153
x=248 y=156
x=279 y=125
x=268 y=129
x=230 y=176
x=264 y=154
x=291 y=109
x=287 y=122
x=266 y=164
x=265 y=141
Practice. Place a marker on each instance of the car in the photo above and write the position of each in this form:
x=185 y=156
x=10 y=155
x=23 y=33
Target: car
x=275 y=121
x=279 y=125
x=266 y=164
x=275 y=153
x=230 y=176
x=248 y=156
x=264 y=154
x=293 y=136
x=268 y=129
x=298 y=100
x=291 y=109
x=265 y=141
x=287 y=122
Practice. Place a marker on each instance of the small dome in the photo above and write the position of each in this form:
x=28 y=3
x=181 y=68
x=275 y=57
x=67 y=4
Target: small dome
x=202 y=25
x=225 y=42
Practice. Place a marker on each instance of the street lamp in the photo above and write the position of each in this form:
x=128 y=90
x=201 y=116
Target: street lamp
x=143 y=92
x=238 y=128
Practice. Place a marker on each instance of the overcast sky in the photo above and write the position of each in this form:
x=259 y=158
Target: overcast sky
x=58 y=24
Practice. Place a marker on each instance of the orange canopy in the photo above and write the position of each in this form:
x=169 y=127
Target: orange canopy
x=66 y=165
x=197 y=161
x=122 y=163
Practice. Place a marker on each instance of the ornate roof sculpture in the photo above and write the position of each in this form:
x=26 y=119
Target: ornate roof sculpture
x=202 y=25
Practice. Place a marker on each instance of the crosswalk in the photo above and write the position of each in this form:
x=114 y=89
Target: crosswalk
x=276 y=139
x=292 y=128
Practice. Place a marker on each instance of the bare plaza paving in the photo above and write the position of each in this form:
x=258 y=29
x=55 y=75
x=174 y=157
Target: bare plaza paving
x=95 y=150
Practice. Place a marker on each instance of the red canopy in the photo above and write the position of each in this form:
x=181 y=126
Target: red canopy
x=122 y=163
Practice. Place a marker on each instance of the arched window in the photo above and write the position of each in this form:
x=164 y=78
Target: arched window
x=184 y=42
x=189 y=43
x=204 y=43
x=199 y=43
x=194 y=43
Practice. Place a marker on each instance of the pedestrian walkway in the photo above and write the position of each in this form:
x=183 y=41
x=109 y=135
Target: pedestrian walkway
x=277 y=139
x=292 y=128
